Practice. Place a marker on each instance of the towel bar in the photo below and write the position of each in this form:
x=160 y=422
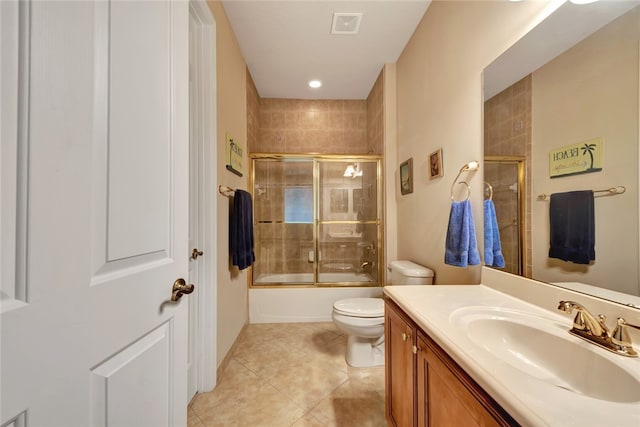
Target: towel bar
x=490 y=188
x=471 y=166
x=468 y=191
x=609 y=192
x=226 y=191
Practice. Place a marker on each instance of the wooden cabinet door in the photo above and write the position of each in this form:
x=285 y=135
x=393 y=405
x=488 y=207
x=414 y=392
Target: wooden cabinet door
x=442 y=399
x=422 y=392
x=399 y=365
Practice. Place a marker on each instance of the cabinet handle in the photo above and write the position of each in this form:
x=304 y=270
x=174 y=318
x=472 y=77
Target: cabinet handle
x=406 y=336
x=415 y=349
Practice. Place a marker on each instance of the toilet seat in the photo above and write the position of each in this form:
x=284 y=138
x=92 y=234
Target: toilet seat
x=360 y=307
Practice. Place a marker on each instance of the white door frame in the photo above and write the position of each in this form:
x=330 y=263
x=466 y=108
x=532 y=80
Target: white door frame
x=207 y=331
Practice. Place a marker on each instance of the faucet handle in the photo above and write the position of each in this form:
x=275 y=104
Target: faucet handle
x=621 y=338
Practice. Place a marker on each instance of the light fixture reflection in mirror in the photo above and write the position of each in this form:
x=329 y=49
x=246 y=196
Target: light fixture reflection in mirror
x=599 y=101
x=353 y=171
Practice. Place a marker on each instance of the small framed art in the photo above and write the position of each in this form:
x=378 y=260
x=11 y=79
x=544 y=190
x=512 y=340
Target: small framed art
x=406 y=176
x=435 y=164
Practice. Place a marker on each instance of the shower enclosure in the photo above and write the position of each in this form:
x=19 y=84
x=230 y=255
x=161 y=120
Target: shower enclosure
x=317 y=220
x=504 y=179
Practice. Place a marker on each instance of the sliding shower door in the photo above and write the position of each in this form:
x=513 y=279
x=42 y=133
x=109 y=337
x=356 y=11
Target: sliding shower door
x=504 y=177
x=316 y=221
x=283 y=221
x=347 y=221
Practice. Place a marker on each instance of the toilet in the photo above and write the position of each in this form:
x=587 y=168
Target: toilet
x=362 y=319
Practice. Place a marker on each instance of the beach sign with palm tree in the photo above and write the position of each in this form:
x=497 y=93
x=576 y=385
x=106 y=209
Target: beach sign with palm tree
x=584 y=157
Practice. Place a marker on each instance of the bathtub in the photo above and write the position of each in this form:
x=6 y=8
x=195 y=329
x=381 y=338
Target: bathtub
x=290 y=305
x=308 y=278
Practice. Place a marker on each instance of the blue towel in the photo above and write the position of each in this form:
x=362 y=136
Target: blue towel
x=572 y=227
x=461 y=246
x=241 y=230
x=492 y=246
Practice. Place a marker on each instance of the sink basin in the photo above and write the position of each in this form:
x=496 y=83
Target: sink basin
x=542 y=348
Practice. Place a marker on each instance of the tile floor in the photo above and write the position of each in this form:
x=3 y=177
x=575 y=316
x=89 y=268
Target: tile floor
x=292 y=374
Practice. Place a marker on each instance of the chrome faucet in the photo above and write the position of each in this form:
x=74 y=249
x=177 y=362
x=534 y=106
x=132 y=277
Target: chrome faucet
x=587 y=327
x=364 y=264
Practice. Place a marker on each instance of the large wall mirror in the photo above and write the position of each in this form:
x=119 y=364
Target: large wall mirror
x=573 y=79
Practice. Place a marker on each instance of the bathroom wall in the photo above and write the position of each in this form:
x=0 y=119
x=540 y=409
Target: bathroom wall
x=507 y=132
x=375 y=117
x=439 y=105
x=298 y=126
x=389 y=118
x=232 y=118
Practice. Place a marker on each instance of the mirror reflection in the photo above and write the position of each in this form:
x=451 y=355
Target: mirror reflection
x=586 y=93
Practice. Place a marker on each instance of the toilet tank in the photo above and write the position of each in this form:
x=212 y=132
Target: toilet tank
x=409 y=273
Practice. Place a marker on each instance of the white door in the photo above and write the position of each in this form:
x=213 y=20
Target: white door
x=94 y=212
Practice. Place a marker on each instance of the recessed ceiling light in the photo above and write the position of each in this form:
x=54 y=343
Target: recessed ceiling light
x=315 y=84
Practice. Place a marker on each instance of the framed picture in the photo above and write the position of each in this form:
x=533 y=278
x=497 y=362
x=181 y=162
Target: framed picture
x=435 y=164
x=234 y=155
x=406 y=177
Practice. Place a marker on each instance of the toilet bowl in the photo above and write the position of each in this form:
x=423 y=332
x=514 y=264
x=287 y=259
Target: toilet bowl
x=362 y=319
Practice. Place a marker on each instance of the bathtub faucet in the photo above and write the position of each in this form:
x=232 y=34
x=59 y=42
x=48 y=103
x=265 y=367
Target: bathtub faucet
x=365 y=264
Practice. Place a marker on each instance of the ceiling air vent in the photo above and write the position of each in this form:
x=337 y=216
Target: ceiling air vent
x=346 y=23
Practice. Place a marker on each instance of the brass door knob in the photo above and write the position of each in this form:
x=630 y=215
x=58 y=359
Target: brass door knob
x=195 y=253
x=180 y=288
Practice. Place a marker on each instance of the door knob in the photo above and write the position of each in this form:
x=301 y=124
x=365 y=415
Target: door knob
x=180 y=287
x=195 y=253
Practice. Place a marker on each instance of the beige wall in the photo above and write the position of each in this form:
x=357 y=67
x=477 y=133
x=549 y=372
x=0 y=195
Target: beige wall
x=389 y=118
x=439 y=104
x=588 y=92
x=231 y=118
x=375 y=116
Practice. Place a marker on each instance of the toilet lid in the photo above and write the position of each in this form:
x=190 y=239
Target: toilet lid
x=360 y=307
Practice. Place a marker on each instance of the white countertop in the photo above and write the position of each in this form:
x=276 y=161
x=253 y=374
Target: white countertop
x=527 y=399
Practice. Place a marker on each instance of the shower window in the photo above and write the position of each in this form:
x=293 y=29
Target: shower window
x=298 y=205
x=317 y=221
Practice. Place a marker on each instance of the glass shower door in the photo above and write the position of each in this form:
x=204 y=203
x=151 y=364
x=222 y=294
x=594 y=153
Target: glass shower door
x=284 y=218
x=505 y=178
x=348 y=221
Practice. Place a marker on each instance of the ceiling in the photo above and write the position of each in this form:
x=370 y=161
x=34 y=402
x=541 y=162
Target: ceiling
x=287 y=43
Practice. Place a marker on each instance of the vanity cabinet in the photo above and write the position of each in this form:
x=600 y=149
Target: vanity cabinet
x=425 y=387
x=400 y=378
